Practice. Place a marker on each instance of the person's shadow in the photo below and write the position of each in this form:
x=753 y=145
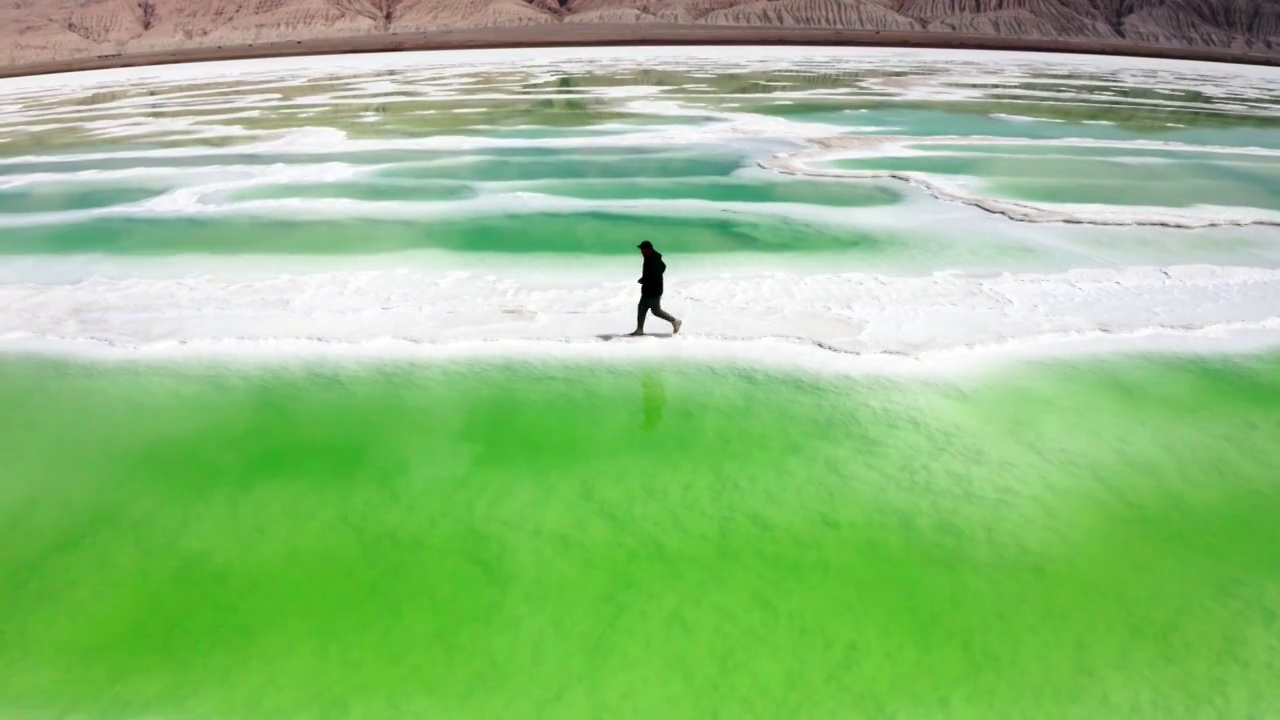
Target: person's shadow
x=653 y=393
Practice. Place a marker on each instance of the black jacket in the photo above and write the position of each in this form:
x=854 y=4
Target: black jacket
x=651 y=281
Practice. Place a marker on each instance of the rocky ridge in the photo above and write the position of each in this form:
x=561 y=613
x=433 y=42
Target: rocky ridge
x=52 y=30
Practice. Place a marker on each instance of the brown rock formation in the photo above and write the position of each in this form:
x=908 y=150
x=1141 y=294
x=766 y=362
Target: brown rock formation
x=33 y=31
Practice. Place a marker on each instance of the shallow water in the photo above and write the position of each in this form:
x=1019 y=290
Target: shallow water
x=1103 y=178
x=476 y=540
x=612 y=140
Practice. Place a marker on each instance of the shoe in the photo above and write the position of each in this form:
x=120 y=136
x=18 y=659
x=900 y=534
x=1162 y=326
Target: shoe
x=675 y=327
x=635 y=333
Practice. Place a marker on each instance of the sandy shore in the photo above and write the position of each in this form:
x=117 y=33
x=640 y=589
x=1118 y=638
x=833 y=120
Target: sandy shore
x=575 y=34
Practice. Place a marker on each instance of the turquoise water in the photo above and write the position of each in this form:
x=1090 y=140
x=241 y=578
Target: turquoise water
x=328 y=416
x=613 y=233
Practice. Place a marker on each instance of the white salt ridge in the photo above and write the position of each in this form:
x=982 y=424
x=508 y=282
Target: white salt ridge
x=205 y=200
x=847 y=322
x=189 y=177
x=722 y=127
x=194 y=202
x=713 y=61
x=726 y=127
x=1024 y=118
x=813 y=163
x=862 y=146
x=956 y=74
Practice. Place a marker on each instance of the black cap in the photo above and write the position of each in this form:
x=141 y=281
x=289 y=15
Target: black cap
x=646 y=245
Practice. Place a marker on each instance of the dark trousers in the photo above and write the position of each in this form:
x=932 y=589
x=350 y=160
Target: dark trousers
x=647 y=303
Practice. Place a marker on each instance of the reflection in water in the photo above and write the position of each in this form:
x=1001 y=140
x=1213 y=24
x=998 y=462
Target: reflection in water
x=653 y=398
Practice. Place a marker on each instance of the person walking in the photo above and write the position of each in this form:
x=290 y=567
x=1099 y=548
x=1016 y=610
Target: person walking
x=651 y=289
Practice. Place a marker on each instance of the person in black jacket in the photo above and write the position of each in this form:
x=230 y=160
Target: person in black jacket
x=651 y=289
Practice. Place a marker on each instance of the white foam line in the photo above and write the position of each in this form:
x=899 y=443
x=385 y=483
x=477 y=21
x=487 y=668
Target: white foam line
x=841 y=323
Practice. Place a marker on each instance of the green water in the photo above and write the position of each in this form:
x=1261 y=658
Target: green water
x=565 y=166
x=478 y=539
x=1075 y=117
x=829 y=194
x=596 y=233
x=1065 y=541
x=57 y=198
x=369 y=190
x=1160 y=155
x=714 y=237
x=1103 y=178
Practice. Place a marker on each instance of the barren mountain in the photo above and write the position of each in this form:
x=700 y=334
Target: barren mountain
x=48 y=30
